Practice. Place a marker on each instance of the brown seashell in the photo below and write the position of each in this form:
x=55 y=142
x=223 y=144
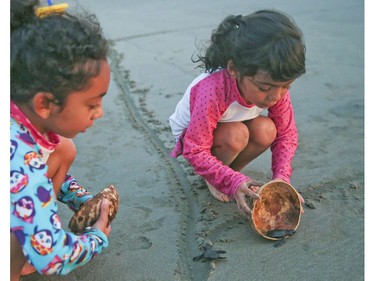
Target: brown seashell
x=89 y=212
x=279 y=208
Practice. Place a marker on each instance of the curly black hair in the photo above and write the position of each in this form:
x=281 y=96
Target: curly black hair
x=57 y=53
x=266 y=40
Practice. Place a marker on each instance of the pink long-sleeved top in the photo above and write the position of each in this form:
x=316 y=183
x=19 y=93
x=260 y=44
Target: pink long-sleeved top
x=213 y=98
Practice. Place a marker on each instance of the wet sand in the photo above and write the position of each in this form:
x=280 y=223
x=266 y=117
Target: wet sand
x=166 y=212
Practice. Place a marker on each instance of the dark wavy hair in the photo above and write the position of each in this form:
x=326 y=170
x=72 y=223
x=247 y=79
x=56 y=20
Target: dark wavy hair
x=266 y=40
x=57 y=53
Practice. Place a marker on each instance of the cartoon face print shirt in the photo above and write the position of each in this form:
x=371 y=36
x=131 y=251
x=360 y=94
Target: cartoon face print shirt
x=34 y=218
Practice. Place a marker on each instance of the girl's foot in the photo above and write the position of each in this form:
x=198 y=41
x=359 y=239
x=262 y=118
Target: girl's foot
x=217 y=194
x=27 y=269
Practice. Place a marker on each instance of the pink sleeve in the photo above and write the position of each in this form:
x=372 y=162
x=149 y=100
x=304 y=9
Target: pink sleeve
x=285 y=144
x=205 y=111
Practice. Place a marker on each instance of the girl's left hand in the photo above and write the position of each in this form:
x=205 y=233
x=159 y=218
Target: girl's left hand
x=300 y=198
x=302 y=202
x=102 y=222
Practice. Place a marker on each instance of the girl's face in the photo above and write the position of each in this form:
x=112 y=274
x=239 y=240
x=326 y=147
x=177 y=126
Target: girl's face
x=262 y=90
x=81 y=108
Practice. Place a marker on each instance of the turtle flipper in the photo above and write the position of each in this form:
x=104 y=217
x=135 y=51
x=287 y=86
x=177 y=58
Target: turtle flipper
x=210 y=254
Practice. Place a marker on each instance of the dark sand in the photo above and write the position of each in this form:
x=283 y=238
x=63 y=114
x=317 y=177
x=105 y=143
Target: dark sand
x=166 y=211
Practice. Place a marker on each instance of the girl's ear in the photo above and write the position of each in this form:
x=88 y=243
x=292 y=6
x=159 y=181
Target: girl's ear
x=43 y=104
x=232 y=69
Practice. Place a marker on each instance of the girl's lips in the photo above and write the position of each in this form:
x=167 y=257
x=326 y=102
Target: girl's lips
x=89 y=126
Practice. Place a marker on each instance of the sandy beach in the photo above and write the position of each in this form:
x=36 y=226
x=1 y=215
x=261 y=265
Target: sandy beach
x=166 y=212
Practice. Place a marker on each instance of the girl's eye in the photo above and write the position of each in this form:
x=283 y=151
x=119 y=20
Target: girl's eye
x=264 y=89
x=94 y=106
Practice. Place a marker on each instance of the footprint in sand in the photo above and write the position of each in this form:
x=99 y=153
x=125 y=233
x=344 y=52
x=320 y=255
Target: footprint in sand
x=137 y=243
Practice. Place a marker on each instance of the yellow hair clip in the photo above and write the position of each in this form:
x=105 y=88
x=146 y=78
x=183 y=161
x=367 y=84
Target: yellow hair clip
x=52 y=9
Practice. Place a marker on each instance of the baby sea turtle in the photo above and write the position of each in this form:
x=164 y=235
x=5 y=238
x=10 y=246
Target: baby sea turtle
x=209 y=254
x=280 y=234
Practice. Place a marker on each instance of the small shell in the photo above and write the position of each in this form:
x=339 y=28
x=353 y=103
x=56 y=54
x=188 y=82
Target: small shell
x=89 y=212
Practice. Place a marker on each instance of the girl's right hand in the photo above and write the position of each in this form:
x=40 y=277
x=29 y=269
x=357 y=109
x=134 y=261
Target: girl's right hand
x=102 y=222
x=246 y=189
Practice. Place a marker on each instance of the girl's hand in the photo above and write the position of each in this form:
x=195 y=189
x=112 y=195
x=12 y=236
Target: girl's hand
x=246 y=189
x=300 y=197
x=302 y=201
x=102 y=222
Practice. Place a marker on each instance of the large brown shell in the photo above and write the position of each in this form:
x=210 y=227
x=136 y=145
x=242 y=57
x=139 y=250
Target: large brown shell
x=89 y=212
x=279 y=207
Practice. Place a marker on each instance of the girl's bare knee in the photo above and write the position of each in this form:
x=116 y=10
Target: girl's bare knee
x=263 y=131
x=270 y=131
x=234 y=138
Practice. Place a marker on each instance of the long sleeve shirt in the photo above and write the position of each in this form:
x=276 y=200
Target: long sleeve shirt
x=34 y=218
x=214 y=98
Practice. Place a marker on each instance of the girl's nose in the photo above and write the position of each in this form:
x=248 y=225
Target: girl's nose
x=99 y=113
x=277 y=93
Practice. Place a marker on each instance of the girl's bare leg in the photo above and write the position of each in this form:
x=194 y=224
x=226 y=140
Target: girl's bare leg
x=17 y=259
x=238 y=143
x=229 y=140
x=58 y=163
x=262 y=133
